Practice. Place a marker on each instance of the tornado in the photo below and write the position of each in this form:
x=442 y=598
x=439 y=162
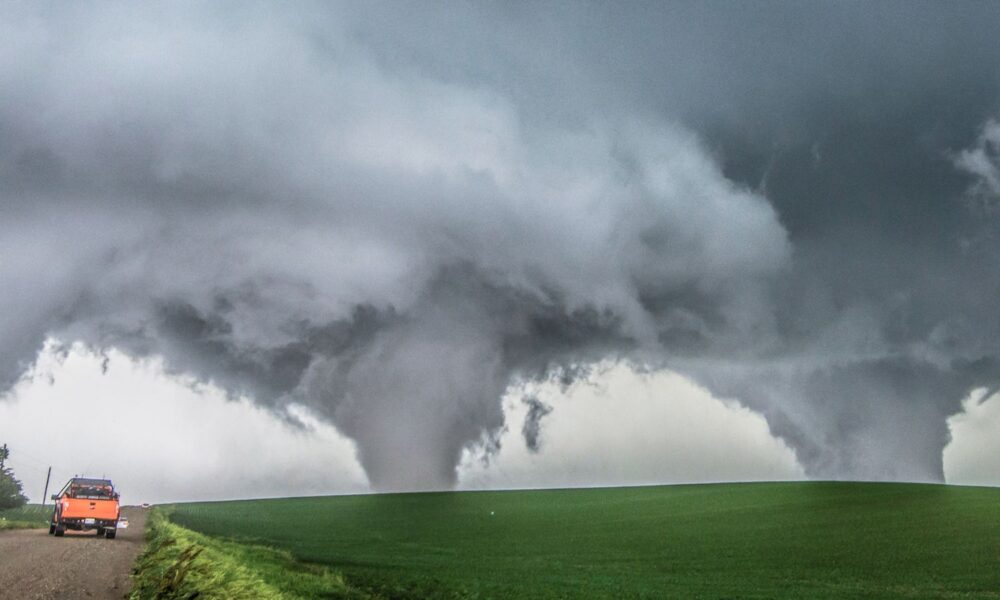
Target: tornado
x=392 y=217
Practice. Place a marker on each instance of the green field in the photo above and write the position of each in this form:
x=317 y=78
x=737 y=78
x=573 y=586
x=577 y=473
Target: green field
x=711 y=541
x=29 y=515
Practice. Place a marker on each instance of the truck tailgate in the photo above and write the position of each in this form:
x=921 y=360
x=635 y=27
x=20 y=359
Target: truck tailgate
x=83 y=508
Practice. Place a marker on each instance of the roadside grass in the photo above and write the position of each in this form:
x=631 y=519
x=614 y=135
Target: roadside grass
x=180 y=563
x=28 y=516
x=761 y=540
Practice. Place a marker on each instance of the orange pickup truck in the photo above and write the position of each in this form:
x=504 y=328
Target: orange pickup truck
x=86 y=504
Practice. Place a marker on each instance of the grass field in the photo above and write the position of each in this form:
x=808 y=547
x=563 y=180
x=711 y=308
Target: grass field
x=29 y=515
x=182 y=564
x=730 y=540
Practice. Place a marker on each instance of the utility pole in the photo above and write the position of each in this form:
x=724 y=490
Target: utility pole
x=45 y=494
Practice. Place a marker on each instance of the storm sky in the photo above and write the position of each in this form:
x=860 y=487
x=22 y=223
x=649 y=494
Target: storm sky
x=391 y=215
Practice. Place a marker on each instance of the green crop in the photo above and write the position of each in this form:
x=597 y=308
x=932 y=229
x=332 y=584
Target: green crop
x=767 y=540
x=27 y=516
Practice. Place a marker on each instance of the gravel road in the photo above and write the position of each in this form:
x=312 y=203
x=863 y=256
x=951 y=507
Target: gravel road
x=35 y=565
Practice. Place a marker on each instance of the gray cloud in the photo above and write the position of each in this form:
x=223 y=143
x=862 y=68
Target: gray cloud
x=532 y=427
x=983 y=161
x=330 y=206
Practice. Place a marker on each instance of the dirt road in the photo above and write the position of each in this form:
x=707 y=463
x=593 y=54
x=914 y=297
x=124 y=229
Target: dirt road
x=35 y=565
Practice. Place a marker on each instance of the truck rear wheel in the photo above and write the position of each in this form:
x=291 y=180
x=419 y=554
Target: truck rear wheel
x=60 y=531
x=52 y=528
x=110 y=533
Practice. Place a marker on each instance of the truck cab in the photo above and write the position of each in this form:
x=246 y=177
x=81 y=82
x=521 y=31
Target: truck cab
x=86 y=504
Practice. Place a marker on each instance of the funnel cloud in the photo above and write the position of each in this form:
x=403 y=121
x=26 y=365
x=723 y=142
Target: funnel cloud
x=392 y=213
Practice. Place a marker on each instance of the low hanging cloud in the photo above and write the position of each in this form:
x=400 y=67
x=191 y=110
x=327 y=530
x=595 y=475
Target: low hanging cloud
x=618 y=426
x=983 y=161
x=972 y=457
x=291 y=222
x=326 y=209
x=163 y=438
x=532 y=427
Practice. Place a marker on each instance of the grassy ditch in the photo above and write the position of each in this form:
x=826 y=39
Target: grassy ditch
x=180 y=563
x=28 y=516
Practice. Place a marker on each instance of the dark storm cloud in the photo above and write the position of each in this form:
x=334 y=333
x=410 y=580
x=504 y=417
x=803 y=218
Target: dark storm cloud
x=531 y=429
x=392 y=213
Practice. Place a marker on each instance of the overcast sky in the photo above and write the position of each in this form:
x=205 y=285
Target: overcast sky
x=409 y=242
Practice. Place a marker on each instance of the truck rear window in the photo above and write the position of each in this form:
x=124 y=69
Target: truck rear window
x=91 y=493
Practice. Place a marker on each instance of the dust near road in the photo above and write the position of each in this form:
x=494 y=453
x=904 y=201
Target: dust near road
x=35 y=565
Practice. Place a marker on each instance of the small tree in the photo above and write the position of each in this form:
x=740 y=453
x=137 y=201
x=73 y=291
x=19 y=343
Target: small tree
x=11 y=495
